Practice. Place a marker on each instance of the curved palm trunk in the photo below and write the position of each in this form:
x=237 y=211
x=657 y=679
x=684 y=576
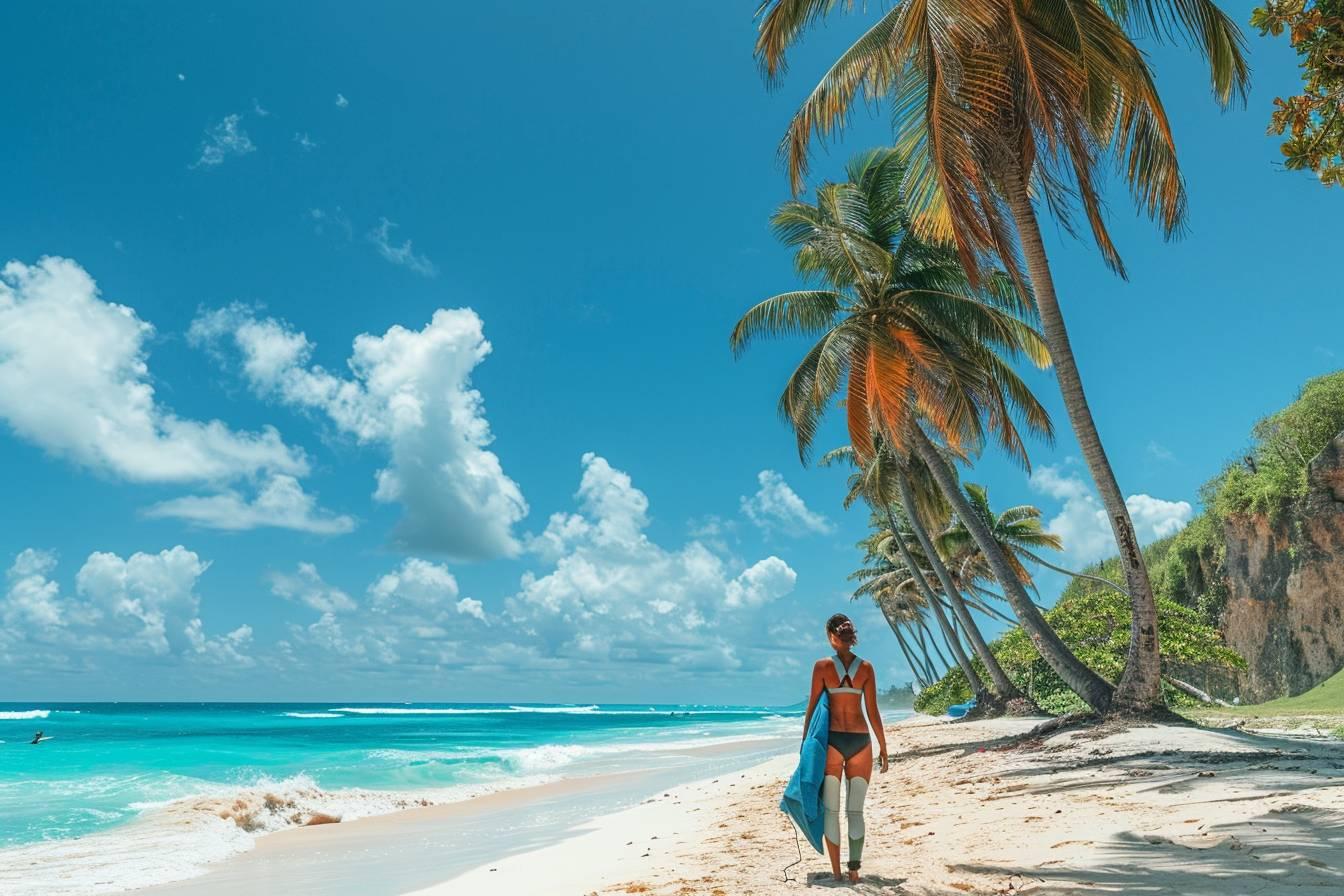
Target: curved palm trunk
x=1095 y=690
x=1140 y=687
x=949 y=635
x=1077 y=575
x=909 y=657
x=922 y=654
x=927 y=641
x=1003 y=685
x=988 y=610
x=900 y=639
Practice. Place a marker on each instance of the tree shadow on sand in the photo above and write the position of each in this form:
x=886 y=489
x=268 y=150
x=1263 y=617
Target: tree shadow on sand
x=1288 y=851
x=1299 y=766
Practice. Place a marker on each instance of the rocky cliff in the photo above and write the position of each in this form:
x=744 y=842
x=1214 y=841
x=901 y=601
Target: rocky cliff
x=1283 y=581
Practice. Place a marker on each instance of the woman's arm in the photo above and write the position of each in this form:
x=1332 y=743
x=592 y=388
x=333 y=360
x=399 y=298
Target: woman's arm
x=874 y=716
x=813 y=697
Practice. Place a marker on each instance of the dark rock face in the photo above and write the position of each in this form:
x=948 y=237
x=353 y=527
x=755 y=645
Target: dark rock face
x=1285 y=587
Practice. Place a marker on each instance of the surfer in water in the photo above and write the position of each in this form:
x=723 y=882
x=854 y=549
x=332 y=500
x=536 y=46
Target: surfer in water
x=851 y=686
x=37 y=739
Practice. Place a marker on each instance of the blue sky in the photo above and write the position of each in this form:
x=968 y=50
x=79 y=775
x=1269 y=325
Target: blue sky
x=382 y=353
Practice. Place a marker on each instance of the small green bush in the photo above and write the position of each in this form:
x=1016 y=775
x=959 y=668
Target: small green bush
x=947 y=691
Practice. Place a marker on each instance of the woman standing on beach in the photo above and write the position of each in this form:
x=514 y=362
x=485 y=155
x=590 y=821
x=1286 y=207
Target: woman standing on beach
x=851 y=687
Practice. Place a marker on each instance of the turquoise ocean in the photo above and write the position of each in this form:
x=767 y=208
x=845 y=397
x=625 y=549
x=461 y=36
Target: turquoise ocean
x=130 y=794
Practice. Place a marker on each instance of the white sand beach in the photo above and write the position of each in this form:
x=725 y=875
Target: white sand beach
x=972 y=808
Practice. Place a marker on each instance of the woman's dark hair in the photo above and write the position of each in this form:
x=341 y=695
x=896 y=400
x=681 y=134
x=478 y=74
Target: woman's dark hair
x=840 y=626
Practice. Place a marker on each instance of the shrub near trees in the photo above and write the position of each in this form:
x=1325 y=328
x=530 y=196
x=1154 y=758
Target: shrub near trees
x=1094 y=622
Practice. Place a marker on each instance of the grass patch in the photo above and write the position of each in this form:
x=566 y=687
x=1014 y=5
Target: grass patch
x=1327 y=698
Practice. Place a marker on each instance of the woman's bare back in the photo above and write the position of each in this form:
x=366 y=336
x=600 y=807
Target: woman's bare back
x=846 y=709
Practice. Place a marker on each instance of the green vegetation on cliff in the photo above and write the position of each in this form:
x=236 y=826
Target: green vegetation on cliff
x=1273 y=473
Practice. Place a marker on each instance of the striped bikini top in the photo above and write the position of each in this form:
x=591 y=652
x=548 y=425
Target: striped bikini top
x=846 y=675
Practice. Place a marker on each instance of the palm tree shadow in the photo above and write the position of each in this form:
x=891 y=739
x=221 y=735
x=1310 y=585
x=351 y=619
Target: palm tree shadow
x=960 y=749
x=1276 y=852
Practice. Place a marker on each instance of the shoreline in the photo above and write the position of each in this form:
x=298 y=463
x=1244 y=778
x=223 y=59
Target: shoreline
x=414 y=848
x=976 y=808
x=159 y=828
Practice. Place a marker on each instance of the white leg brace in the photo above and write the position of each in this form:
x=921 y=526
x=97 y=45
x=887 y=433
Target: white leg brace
x=830 y=808
x=858 y=789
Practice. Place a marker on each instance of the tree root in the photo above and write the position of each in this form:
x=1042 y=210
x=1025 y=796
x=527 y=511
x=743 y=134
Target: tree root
x=1059 y=723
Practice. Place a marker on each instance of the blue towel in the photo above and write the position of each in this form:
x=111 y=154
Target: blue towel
x=802 y=796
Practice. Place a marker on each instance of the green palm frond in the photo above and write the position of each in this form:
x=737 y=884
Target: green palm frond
x=801 y=313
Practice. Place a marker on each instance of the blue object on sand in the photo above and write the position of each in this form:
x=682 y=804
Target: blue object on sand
x=802 y=796
x=957 y=710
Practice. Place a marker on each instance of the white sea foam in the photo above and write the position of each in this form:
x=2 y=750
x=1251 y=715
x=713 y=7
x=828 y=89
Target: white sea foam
x=457 y=711
x=553 y=758
x=313 y=715
x=25 y=714
x=504 y=710
x=177 y=839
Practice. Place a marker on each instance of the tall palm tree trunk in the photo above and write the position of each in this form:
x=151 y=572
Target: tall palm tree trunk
x=1003 y=685
x=922 y=654
x=1140 y=687
x=900 y=639
x=909 y=657
x=949 y=634
x=930 y=644
x=1095 y=691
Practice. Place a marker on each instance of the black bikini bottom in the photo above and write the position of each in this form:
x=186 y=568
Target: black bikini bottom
x=849 y=743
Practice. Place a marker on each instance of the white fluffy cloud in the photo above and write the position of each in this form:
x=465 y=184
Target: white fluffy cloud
x=33 y=599
x=226 y=650
x=74 y=379
x=1082 y=523
x=615 y=594
x=144 y=605
x=408 y=392
x=760 y=583
x=776 y=506
x=419 y=585
x=413 y=616
x=305 y=586
x=328 y=635
x=281 y=502
x=227 y=138
x=146 y=600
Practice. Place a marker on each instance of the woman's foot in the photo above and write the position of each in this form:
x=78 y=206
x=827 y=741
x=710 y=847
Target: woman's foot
x=853 y=877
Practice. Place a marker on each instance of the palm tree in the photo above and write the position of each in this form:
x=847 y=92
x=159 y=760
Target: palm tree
x=997 y=100
x=1018 y=530
x=918 y=570
x=879 y=583
x=884 y=474
x=911 y=343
